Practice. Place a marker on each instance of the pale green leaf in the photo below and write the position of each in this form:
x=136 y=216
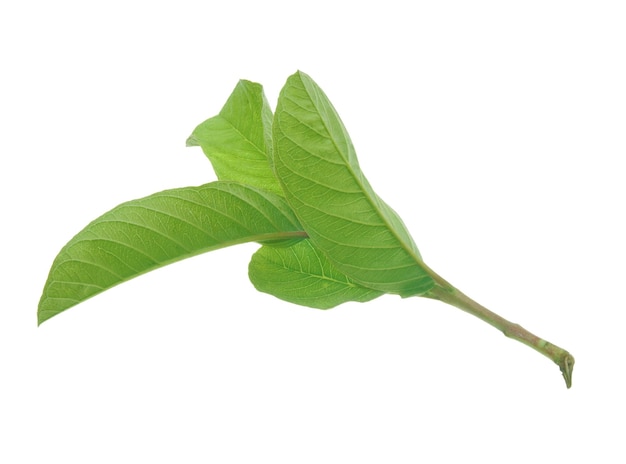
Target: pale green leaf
x=148 y=233
x=303 y=275
x=237 y=141
x=316 y=164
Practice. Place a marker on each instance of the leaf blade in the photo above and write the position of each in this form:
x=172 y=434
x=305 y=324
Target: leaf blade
x=301 y=274
x=316 y=164
x=237 y=141
x=151 y=232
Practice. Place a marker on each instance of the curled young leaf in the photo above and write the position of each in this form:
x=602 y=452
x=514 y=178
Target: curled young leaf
x=237 y=140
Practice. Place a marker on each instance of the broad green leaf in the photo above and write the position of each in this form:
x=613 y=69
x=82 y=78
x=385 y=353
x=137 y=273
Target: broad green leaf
x=301 y=274
x=238 y=139
x=316 y=164
x=148 y=233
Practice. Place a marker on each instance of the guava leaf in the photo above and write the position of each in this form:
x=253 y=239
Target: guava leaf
x=151 y=232
x=247 y=159
x=301 y=274
x=316 y=164
x=237 y=140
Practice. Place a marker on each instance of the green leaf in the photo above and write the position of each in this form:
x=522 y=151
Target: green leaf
x=237 y=141
x=301 y=274
x=232 y=155
x=316 y=164
x=148 y=233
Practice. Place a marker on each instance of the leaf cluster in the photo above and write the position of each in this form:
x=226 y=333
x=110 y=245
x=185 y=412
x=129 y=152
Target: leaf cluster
x=289 y=181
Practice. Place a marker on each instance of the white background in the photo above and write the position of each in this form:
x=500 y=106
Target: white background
x=496 y=130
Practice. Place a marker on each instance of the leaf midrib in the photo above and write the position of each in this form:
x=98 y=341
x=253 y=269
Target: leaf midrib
x=259 y=150
x=252 y=238
x=384 y=220
x=347 y=283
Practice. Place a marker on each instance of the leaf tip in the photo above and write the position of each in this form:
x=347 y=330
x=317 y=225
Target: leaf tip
x=42 y=317
x=192 y=141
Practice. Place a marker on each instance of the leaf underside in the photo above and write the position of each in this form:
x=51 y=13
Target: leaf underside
x=301 y=274
x=237 y=140
x=316 y=164
x=151 y=232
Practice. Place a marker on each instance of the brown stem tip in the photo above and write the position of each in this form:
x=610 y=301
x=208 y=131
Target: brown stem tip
x=566 y=364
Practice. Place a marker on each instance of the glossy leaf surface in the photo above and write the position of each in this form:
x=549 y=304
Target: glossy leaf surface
x=148 y=233
x=316 y=164
x=301 y=274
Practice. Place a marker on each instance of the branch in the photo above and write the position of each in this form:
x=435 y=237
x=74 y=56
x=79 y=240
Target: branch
x=445 y=292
